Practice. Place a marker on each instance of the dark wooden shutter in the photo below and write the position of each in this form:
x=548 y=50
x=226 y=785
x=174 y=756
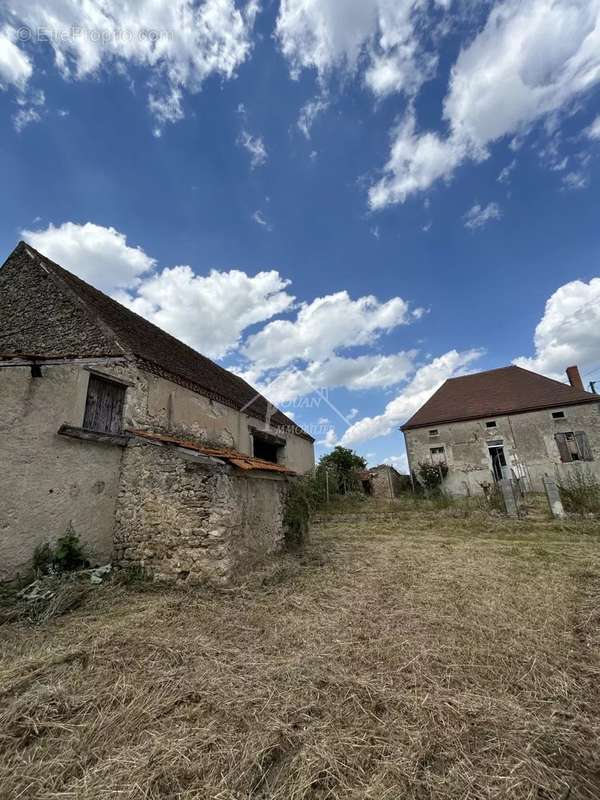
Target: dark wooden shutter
x=584 y=446
x=104 y=406
x=563 y=447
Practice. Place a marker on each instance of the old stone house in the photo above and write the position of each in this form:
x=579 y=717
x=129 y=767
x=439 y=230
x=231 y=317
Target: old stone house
x=507 y=422
x=382 y=481
x=150 y=451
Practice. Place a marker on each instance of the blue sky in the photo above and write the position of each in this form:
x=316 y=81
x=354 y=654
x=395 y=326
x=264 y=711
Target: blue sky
x=343 y=199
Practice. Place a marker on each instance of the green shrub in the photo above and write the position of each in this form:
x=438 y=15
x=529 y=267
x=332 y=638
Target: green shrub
x=580 y=492
x=431 y=476
x=296 y=517
x=67 y=555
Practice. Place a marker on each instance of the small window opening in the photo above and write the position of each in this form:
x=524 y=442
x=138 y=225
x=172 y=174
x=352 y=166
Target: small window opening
x=268 y=447
x=490 y=424
x=434 y=432
x=438 y=455
x=558 y=415
x=104 y=405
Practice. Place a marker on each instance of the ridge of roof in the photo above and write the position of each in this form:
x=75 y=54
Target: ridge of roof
x=496 y=392
x=161 y=352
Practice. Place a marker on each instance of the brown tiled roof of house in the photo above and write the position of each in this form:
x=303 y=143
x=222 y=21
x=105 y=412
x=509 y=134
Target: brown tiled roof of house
x=160 y=352
x=509 y=390
x=234 y=457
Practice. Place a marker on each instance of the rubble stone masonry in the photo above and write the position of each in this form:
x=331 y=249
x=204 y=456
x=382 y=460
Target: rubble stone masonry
x=185 y=516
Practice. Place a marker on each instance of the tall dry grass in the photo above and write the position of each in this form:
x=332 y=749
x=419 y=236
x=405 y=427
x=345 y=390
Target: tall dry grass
x=412 y=653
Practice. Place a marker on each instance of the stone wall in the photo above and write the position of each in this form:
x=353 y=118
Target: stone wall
x=184 y=516
x=386 y=482
x=527 y=439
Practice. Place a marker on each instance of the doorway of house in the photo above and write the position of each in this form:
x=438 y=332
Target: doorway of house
x=498 y=460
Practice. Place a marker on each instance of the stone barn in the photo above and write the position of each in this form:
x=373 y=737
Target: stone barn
x=507 y=422
x=151 y=452
x=382 y=481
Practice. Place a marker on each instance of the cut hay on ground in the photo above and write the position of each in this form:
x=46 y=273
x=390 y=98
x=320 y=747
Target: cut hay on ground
x=417 y=654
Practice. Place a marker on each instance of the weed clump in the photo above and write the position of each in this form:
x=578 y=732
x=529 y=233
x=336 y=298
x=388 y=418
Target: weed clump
x=67 y=555
x=580 y=492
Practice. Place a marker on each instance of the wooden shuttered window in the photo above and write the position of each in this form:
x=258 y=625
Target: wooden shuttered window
x=573 y=447
x=104 y=405
x=585 y=450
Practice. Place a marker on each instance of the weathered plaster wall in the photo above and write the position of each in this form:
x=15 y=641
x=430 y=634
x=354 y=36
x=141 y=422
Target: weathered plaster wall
x=185 y=516
x=154 y=403
x=527 y=439
x=48 y=481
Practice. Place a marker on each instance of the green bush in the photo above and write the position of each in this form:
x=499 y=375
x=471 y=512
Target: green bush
x=431 y=475
x=67 y=555
x=580 y=492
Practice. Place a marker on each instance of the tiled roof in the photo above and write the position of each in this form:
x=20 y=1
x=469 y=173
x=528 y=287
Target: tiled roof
x=162 y=353
x=509 y=390
x=239 y=460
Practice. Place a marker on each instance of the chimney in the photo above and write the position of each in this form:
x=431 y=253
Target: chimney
x=575 y=378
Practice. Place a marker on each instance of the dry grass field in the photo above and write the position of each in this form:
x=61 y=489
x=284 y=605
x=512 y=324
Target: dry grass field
x=411 y=653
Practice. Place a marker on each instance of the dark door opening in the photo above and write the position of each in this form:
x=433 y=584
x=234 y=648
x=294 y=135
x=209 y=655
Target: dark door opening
x=498 y=461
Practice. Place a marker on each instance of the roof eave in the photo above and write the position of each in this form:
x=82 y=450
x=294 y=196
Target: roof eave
x=581 y=401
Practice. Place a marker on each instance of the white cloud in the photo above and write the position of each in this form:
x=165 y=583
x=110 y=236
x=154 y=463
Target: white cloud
x=593 y=130
x=569 y=331
x=415 y=162
x=328 y=34
x=24 y=117
x=97 y=254
x=208 y=312
x=425 y=382
x=575 y=180
x=325 y=325
x=15 y=66
x=352 y=413
x=182 y=42
x=359 y=373
x=505 y=173
x=478 y=216
x=256 y=147
x=259 y=218
x=399 y=463
x=309 y=112
x=531 y=59
x=330 y=439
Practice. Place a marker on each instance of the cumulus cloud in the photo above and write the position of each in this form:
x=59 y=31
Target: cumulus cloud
x=208 y=312
x=358 y=373
x=398 y=462
x=327 y=34
x=531 y=59
x=182 y=42
x=324 y=325
x=478 y=216
x=569 y=331
x=427 y=380
x=97 y=254
x=15 y=66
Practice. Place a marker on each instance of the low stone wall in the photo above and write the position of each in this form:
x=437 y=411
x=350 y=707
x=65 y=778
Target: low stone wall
x=184 y=516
